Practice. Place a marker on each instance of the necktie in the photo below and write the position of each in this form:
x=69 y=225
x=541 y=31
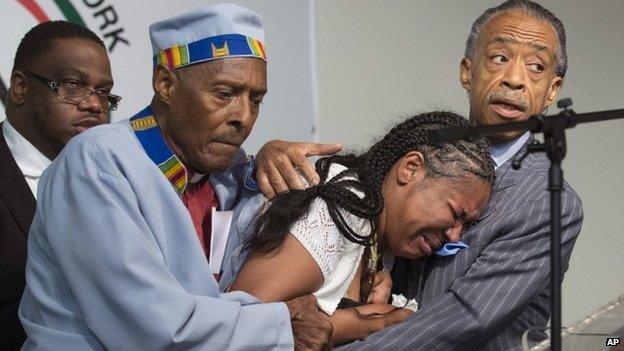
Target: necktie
x=199 y=198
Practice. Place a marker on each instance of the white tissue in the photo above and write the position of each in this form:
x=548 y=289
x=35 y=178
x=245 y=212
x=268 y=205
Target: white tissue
x=401 y=301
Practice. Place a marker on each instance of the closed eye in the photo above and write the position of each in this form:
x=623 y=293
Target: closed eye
x=224 y=95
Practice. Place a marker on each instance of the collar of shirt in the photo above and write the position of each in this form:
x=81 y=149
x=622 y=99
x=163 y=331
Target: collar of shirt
x=501 y=153
x=30 y=160
x=194 y=177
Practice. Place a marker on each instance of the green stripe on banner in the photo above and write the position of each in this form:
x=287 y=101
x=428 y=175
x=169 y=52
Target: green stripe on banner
x=252 y=47
x=70 y=13
x=184 y=55
x=167 y=165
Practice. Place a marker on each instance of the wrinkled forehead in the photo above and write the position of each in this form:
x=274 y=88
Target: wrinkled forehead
x=239 y=72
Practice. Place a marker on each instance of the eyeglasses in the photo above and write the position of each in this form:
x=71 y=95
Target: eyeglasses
x=77 y=93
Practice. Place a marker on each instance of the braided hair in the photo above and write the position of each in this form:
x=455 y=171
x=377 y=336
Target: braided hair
x=365 y=174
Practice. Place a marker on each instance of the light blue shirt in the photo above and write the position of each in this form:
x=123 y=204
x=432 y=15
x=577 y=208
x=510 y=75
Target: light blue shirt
x=114 y=261
x=501 y=153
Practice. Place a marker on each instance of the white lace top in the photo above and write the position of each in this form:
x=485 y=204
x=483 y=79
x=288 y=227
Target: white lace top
x=337 y=257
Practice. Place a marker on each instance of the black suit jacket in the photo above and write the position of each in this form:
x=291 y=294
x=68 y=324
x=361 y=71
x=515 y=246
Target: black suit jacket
x=17 y=208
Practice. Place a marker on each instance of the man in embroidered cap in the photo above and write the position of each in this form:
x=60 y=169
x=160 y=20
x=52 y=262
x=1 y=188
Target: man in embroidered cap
x=119 y=245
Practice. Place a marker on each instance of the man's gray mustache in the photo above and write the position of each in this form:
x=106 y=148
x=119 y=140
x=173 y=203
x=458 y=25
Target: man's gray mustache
x=514 y=97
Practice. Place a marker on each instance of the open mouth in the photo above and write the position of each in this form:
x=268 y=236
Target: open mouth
x=428 y=243
x=423 y=245
x=508 y=108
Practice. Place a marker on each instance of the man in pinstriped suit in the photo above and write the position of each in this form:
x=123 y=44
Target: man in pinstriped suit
x=489 y=294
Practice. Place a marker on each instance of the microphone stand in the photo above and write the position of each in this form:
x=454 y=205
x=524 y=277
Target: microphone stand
x=554 y=145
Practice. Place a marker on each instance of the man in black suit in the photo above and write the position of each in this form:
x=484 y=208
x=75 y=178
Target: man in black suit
x=60 y=86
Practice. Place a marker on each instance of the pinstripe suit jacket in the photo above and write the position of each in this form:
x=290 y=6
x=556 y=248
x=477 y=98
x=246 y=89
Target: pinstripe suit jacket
x=486 y=296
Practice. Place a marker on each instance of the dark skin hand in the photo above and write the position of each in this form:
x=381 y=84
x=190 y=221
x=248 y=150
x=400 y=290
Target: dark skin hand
x=279 y=160
x=359 y=322
x=312 y=329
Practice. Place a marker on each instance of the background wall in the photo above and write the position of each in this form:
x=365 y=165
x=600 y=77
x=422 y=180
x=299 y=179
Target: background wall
x=379 y=61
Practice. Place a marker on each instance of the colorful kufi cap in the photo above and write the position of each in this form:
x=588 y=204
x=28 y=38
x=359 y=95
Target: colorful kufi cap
x=210 y=33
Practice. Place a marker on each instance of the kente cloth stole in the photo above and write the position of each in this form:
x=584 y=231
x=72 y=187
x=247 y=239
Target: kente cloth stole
x=148 y=132
x=199 y=197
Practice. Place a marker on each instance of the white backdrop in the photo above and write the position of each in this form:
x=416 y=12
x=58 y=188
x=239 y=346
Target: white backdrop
x=288 y=109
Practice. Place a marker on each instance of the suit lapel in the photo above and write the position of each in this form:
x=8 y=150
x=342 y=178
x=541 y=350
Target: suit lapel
x=504 y=180
x=506 y=177
x=14 y=190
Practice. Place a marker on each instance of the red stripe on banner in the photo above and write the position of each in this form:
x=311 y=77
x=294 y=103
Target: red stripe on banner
x=170 y=61
x=177 y=175
x=262 y=52
x=35 y=10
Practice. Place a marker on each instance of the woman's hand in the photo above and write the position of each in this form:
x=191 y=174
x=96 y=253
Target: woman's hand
x=359 y=322
x=382 y=288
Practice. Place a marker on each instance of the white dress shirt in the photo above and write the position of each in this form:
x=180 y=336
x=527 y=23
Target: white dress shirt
x=30 y=160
